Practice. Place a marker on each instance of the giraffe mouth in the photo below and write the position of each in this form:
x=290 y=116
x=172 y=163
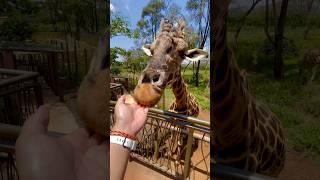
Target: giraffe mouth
x=147 y=94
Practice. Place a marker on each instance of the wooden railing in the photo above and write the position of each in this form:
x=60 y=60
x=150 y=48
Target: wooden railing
x=20 y=95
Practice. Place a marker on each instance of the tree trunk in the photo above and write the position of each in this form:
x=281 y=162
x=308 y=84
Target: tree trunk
x=203 y=34
x=308 y=24
x=278 y=57
x=96 y=16
x=242 y=21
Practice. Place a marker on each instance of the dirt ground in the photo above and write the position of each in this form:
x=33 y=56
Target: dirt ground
x=300 y=167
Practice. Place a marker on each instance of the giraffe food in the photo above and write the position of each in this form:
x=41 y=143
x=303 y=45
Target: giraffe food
x=146 y=95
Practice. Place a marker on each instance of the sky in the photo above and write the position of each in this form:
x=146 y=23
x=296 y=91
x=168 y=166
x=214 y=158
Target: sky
x=131 y=10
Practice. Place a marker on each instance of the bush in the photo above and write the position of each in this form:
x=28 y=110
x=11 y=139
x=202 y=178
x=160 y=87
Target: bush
x=115 y=70
x=246 y=55
x=16 y=28
x=265 y=55
x=289 y=48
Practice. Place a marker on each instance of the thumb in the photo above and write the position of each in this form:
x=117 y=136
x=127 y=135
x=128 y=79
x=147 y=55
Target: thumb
x=38 y=122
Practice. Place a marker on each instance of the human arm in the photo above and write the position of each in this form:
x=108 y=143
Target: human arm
x=130 y=119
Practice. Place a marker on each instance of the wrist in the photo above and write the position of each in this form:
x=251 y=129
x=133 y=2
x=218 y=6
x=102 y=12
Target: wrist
x=124 y=130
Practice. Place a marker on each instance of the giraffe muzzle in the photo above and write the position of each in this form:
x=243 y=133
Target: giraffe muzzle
x=149 y=88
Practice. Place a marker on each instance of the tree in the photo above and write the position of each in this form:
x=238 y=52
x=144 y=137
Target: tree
x=119 y=26
x=199 y=11
x=150 y=20
x=173 y=12
x=16 y=28
x=242 y=21
x=277 y=39
x=278 y=58
x=310 y=4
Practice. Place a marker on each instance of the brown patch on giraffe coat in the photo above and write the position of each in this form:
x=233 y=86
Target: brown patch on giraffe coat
x=146 y=95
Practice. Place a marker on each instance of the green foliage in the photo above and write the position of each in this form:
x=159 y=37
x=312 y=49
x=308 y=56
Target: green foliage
x=26 y=7
x=119 y=26
x=114 y=52
x=174 y=13
x=16 y=28
x=115 y=70
x=246 y=54
x=150 y=19
x=265 y=55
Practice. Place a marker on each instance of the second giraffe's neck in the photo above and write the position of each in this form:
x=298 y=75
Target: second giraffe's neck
x=185 y=103
x=230 y=106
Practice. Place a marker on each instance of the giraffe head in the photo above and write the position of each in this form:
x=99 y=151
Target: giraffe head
x=166 y=54
x=92 y=100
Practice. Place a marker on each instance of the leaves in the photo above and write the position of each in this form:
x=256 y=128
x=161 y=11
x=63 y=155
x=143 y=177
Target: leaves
x=16 y=28
x=150 y=19
x=119 y=27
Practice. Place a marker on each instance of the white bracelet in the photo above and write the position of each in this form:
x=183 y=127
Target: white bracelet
x=123 y=141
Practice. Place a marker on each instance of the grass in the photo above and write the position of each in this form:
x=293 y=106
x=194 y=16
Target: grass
x=296 y=105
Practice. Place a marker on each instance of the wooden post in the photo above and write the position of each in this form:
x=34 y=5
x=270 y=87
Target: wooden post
x=86 y=59
x=8 y=59
x=61 y=83
x=38 y=92
x=187 y=158
x=53 y=75
x=164 y=100
x=68 y=59
x=76 y=73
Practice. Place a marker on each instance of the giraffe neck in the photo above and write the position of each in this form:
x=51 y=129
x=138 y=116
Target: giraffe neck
x=230 y=108
x=185 y=103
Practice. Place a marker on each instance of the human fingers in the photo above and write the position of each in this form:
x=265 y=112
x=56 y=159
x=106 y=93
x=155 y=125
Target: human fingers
x=38 y=122
x=121 y=100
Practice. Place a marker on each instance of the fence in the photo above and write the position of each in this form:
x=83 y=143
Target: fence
x=76 y=57
x=20 y=94
x=34 y=57
x=175 y=145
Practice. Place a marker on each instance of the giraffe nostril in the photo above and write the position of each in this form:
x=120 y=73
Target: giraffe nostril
x=156 y=78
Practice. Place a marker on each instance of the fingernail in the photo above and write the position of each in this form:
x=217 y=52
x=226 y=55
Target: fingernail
x=146 y=110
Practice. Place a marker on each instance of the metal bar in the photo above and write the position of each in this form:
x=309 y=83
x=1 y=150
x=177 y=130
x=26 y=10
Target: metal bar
x=187 y=158
x=28 y=49
x=180 y=116
x=20 y=76
x=226 y=172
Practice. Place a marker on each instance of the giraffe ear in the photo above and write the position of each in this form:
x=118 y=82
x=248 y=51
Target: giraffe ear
x=146 y=49
x=196 y=54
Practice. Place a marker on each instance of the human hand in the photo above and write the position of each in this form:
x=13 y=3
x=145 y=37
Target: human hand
x=79 y=155
x=129 y=118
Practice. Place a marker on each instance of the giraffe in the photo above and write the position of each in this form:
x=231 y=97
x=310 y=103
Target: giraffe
x=247 y=134
x=93 y=98
x=310 y=60
x=166 y=54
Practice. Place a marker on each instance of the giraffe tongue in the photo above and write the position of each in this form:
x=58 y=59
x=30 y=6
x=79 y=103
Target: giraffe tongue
x=146 y=95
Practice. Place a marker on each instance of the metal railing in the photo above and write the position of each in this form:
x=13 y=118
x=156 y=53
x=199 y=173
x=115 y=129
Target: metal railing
x=40 y=58
x=20 y=95
x=175 y=145
x=226 y=172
